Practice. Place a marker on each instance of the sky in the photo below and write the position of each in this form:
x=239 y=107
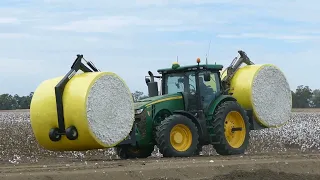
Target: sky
x=39 y=39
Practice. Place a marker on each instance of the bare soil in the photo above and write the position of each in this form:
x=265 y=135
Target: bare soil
x=278 y=167
x=269 y=157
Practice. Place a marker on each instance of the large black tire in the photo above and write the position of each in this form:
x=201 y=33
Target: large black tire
x=238 y=140
x=164 y=138
x=199 y=149
x=131 y=152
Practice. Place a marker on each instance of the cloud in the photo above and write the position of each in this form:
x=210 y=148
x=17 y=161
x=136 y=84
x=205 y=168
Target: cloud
x=111 y=24
x=8 y=20
x=108 y=24
x=14 y=35
x=270 y=36
x=132 y=37
x=189 y=15
x=173 y=20
x=185 y=43
x=22 y=67
x=91 y=39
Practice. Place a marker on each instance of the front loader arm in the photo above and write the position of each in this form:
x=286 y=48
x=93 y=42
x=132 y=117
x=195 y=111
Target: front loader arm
x=59 y=88
x=233 y=67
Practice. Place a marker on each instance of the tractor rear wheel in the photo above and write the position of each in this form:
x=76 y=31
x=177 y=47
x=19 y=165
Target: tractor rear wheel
x=231 y=129
x=131 y=152
x=199 y=149
x=177 y=136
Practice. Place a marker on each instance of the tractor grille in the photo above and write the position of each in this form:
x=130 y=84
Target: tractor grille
x=141 y=123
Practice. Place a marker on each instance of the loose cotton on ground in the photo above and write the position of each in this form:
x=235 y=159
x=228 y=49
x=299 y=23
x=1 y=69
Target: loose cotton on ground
x=265 y=89
x=98 y=104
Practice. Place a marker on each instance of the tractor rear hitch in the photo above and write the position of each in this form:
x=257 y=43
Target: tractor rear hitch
x=71 y=132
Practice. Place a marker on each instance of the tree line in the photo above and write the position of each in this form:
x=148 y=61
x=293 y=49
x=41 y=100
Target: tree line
x=12 y=102
x=305 y=97
x=302 y=97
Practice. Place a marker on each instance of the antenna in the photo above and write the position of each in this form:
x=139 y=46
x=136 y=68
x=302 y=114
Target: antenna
x=208 y=53
x=206 y=59
x=177 y=59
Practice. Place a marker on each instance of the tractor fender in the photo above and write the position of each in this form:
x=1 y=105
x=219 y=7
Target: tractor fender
x=193 y=119
x=160 y=113
x=215 y=103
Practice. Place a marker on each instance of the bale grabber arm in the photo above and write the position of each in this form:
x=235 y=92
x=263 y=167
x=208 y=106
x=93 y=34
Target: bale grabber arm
x=233 y=67
x=71 y=132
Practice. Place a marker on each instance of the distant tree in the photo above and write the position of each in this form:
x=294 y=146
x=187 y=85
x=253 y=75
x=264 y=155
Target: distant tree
x=9 y=102
x=302 y=97
x=316 y=98
x=138 y=95
x=294 y=99
x=143 y=97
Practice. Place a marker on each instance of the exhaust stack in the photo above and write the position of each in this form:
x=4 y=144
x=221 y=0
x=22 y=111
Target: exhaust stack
x=152 y=86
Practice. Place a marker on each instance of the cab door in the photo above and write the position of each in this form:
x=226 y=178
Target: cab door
x=208 y=89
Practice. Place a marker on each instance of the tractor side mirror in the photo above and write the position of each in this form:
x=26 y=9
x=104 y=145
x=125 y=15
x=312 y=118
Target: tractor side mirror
x=207 y=76
x=147 y=80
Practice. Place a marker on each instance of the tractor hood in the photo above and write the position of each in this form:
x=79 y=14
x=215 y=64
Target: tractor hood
x=141 y=104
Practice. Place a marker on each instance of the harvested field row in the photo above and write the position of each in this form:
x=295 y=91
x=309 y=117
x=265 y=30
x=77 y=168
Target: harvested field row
x=18 y=145
x=306 y=110
x=240 y=168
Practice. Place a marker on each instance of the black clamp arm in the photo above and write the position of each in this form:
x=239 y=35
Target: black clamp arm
x=55 y=133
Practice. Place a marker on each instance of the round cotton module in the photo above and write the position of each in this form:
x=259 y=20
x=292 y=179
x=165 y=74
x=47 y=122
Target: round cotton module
x=98 y=104
x=271 y=96
x=265 y=90
x=108 y=110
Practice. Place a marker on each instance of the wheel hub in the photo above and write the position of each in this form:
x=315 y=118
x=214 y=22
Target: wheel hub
x=178 y=138
x=181 y=137
x=234 y=129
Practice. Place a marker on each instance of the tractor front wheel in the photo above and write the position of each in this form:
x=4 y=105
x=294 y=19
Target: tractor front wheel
x=231 y=129
x=177 y=136
x=131 y=152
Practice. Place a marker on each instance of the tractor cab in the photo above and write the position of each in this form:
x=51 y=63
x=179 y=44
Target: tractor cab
x=199 y=84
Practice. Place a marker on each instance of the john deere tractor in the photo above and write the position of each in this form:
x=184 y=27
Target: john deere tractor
x=194 y=109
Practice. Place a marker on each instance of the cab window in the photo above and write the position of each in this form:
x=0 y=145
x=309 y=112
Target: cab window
x=208 y=90
x=179 y=82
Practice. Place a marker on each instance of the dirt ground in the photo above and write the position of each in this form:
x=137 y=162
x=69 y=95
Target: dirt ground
x=261 y=167
x=271 y=156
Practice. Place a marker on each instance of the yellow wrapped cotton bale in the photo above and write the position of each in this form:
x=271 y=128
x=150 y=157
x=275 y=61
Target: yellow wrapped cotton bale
x=265 y=90
x=98 y=104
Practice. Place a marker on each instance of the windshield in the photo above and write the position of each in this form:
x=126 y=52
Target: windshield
x=185 y=82
x=179 y=82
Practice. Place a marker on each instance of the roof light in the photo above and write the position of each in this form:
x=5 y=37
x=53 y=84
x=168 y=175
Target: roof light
x=198 y=60
x=175 y=65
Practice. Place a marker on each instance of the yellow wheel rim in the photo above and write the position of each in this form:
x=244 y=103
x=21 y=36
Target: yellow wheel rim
x=180 y=137
x=235 y=130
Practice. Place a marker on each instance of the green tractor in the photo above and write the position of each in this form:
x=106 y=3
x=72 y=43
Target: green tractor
x=193 y=110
